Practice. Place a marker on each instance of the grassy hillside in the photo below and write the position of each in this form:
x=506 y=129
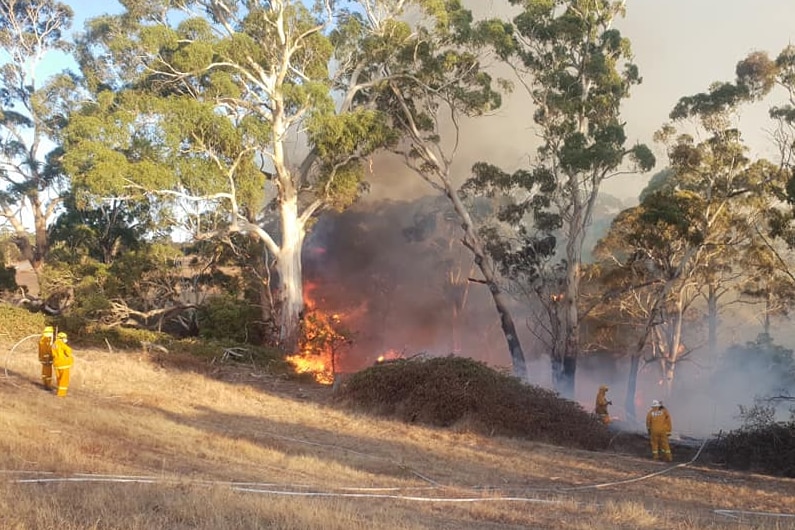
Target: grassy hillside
x=149 y=441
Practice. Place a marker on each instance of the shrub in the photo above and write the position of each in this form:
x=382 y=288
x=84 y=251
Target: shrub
x=117 y=336
x=765 y=448
x=18 y=322
x=228 y=318
x=455 y=392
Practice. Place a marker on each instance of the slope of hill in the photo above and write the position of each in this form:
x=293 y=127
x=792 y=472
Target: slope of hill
x=151 y=442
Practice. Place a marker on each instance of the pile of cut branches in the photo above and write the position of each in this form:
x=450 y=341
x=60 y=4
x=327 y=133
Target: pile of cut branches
x=467 y=395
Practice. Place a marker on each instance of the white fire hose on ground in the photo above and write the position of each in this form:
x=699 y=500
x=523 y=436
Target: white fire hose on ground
x=393 y=493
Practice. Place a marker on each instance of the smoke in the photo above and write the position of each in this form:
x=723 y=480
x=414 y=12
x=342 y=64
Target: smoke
x=398 y=277
x=395 y=271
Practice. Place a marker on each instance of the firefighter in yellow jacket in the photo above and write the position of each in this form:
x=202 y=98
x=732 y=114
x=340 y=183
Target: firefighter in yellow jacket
x=45 y=356
x=658 y=424
x=62 y=361
x=601 y=405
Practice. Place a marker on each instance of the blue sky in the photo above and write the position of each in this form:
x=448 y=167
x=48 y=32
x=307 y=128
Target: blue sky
x=83 y=11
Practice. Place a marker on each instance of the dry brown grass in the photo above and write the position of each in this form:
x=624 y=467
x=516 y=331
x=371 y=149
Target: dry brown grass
x=227 y=448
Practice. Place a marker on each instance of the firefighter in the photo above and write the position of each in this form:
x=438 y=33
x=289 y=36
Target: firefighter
x=45 y=356
x=658 y=424
x=62 y=361
x=601 y=405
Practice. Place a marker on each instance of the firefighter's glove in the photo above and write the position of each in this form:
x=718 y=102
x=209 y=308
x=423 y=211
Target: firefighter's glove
x=668 y=434
x=609 y=402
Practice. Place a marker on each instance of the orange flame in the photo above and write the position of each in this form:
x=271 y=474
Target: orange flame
x=389 y=355
x=320 y=341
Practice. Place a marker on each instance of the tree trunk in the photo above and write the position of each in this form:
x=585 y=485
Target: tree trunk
x=632 y=387
x=508 y=329
x=712 y=312
x=766 y=316
x=483 y=261
x=288 y=267
x=262 y=272
x=564 y=368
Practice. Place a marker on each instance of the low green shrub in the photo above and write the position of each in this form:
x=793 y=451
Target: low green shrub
x=18 y=322
x=229 y=318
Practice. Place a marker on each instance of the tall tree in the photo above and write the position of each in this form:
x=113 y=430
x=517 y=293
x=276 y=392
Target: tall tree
x=646 y=266
x=729 y=192
x=696 y=221
x=576 y=69
x=32 y=114
x=209 y=102
x=433 y=79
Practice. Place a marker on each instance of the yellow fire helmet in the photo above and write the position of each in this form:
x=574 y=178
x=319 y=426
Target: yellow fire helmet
x=61 y=335
x=48 y=331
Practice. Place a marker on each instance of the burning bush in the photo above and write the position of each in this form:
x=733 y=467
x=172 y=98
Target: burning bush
x=460 y=392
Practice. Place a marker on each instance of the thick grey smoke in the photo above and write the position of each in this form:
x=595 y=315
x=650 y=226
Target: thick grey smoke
x=397 y=275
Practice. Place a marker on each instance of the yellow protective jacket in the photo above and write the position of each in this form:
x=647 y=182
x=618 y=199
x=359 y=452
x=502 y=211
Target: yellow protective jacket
x=61 y=355
x=658 y=421
x=45 y=350
x=601 y=401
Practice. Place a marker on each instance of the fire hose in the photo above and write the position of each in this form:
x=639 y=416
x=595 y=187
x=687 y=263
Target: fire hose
x=391 y=493
x=9 y=352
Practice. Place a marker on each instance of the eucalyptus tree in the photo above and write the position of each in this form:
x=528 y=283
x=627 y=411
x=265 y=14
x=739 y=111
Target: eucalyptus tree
x=242 y=113
x=695 y=224
x=768 y=279
x=105 y=230
x=576 y=70
x=730 y=193
x=33 y=109
x=760 y=75
x=646 y=265
x=432 y=78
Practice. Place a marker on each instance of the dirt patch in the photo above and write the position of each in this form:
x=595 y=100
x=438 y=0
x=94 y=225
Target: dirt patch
x=25 y=277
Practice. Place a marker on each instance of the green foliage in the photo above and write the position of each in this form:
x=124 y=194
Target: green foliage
x=133 y=339
x=462 y=393
x=228 y=318
x=102 y=231
x=17 y=322
x=119 y=337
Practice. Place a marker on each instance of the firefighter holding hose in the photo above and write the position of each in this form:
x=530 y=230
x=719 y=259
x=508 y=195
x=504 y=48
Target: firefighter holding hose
x=601 y=405
x=45 y=356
